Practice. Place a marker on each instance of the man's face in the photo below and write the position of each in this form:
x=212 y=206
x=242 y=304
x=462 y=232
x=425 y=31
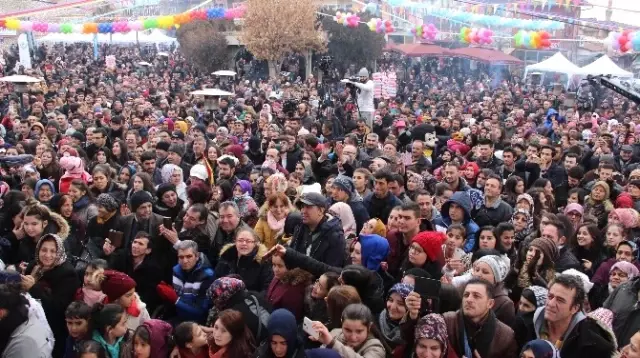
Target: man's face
x=149 y=166
x=573 y=182
x=456 y=212
x=225 y=171
x=229 y=219
x=475 y=301
x=371 y=142
x=311 y=214
x=551 y=232
x=173 y=158
x=417 y=149
x=485 y=151
x=339 y=195
x=187 y=259
x=546 y=155
x=569 y=162
x=272 y=154
x=605 y=174
x=532 y=151
x=560 y=307
x=408 y=221
x=140 y=247
x=626 y=155
x=131 y=141
x=492 y=188
x=394 y=188
x=144 y=211
x=192 y=220
x=381 y=188
x=451 y=174
x=508 y=158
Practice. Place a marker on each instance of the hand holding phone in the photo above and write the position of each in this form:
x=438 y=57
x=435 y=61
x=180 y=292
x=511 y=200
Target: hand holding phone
x=307 y=326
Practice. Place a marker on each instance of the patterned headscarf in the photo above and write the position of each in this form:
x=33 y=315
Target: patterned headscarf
x=403 y=289
x=222 y=289
x=61 y=255
x=528 y=198
x=167 y=172
x=346 y=184
x=520 y=236
x=419 y=180
x=432 y=326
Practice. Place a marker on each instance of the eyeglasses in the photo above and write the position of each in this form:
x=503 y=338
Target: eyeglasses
x=245 y=241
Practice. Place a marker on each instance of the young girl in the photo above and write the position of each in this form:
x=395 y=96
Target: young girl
x=110 y=328
x=231 y=337
x=287 y=289
x=121 y=289
x=242 y=197
x=457 y=261
x=91 y=293
x=150 y=340
x=191 y=340
x=357 y=336
x=315 y=304
x=91 y=349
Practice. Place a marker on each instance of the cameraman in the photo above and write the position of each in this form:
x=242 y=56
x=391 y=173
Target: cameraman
x=365 y=98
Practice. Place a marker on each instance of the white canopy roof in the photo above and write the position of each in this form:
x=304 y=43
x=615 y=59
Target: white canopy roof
x=157 y=37
x=556 y=63
x=604 y=66
x=20 y=79
x=211 y=92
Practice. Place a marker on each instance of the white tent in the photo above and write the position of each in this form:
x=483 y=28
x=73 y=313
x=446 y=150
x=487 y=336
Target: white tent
x=67 y=38
x=556 y=63
x=157 y=37
x=604 y=66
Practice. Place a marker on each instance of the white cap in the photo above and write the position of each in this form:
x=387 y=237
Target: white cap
x=199 y=171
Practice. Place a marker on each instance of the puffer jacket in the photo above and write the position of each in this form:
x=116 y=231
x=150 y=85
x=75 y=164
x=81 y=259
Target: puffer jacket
x=191 y=288
x=256 y=273
x=463 y=200
x=329 y=244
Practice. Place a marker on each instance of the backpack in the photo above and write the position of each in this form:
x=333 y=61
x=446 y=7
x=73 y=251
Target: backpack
x=262 y=313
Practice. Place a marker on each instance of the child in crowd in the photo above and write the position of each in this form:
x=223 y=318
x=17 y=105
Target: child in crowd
x=78 y=317
x=91 y=292
x=457 y=261
x=191 y=340
x=151 y=339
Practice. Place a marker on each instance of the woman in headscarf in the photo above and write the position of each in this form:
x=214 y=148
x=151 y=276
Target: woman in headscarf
x=522 y=222
x=415 y=183
x=597 y=203
x=168 y=203
x=242 y=197
x=51 y=279
x=575 y=213
x=427 y=337
x=37 y=220
x=172 y=174
x=539 y=348
x=282 y=337
x=620 y=273
x=494 y=269
x=44 y=191
x=343 y=212
x=389 y=319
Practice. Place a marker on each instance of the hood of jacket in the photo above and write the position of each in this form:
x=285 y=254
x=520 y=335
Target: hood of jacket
x=375 y=249
x=297 y=276
x=229 y=252
x=462 y=199
x=283 y=323
x=158 y=332
x=58 y=225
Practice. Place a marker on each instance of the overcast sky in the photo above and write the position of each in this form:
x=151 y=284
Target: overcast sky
x=625 y=17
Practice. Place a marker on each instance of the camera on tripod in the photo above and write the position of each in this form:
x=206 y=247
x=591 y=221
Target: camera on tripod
x=325 y=63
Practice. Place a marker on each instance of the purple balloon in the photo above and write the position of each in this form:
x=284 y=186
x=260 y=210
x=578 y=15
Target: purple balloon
x=53 y=28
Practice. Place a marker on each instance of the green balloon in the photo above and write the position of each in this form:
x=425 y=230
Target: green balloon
x=66 y=28
x=150 y=23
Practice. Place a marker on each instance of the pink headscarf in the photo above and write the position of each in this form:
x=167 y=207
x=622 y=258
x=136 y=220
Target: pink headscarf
x=628 y=217
x=343 y=211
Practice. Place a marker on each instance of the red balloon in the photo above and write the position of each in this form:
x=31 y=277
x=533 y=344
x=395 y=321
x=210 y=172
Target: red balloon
x=626 y=47
x=545 y=43
x=627 y=32
x=623 y=40
x=545 y=35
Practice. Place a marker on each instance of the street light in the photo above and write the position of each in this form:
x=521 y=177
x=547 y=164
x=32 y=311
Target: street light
x=21 y=85
x=211 y=98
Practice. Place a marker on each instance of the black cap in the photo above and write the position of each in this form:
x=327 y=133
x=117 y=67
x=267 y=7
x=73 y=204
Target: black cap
x=313 y=199
x=177 y=135
x=79 y=136
x=162 y=145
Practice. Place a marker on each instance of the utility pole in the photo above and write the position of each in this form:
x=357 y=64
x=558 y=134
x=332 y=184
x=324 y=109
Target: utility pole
x=609 y=11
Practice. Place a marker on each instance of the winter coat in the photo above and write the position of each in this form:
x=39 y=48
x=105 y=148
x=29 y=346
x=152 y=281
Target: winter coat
x=601 y=277
x=97 y=233
x=626 y=316
x=499 y=212
x=380 y=208
x=463 y=200
x=503 y=344
x=503 y=307
x=84 y=210
x=585 y=337
x=329 y=243
x=191 y=287
x=147 y=276
x=289 y=291
x=567 y=260
x=27 y=246
x=55 y=290
x=28 y=340
x=115 y=190
x=266 y=234
x=220 y=239
x=162 y=210
x=256 y=273
x=372 y=347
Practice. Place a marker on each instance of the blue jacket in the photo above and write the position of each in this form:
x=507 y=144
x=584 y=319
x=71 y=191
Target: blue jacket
x=442 y=223
x=191 y=287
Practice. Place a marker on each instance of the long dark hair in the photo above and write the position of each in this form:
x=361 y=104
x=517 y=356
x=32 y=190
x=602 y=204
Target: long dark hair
x=104 y=316
x=595 y=233
x=242 y=343
x=510 y=195
x=124 y=155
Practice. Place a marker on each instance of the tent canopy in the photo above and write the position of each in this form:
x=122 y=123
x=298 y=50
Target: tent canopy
x=556 y=63
x=421 y=49
x=483 y=54
x=604 y=66
x=158 y=37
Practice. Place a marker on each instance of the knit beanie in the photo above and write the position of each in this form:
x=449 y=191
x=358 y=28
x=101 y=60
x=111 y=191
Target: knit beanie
x=177 y=148
x=548 y=248
x=624 y=200
x=108 y=202
x=162 y=145
x=498 y=266
x=236 y=150
x=604 y=316
x=139 y=198
x=164 y=188
x=345 y=184
x=115 y=284
x=586 y=284
x=628 y=217
x=603 y=184
x=536 y=294
x=431 y=242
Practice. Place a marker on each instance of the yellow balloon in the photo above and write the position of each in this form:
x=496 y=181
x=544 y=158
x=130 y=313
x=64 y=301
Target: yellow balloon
x=13 y=24
x=177 y=26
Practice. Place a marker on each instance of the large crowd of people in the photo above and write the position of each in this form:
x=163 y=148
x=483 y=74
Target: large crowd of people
x=473 y=215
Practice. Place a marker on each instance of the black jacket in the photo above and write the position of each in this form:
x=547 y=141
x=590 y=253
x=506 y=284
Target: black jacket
x=567 y=260
x=147 y=276
x=293 y=157
x=492 y=216
x=256 y=273
x=55 y=291
x=380 y=208
x=326 y=244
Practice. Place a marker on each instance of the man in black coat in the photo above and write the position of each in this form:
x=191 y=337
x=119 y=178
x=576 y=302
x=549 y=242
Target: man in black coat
x=320 y=236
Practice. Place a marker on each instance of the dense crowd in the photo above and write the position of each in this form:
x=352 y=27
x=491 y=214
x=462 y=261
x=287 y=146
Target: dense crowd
x=474 y=215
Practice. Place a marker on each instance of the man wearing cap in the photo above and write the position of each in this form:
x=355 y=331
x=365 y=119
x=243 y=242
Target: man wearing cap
x=365 y=95
x=626 y=158
x=177 y=137
x=176 y=152
x=319 y=236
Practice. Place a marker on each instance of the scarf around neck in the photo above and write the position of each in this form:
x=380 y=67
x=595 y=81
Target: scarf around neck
x=275 y=224
x=476 y=337
x=390 y=329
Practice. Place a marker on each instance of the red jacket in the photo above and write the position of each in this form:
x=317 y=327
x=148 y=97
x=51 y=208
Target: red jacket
x=289 y=291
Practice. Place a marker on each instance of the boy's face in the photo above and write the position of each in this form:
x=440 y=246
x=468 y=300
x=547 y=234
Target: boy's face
x=78 y=327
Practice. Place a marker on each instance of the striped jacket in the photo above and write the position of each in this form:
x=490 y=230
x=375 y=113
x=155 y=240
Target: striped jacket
x=191 y=288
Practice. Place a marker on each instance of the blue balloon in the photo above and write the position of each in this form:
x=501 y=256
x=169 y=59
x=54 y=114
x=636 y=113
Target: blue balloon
x=215 y=13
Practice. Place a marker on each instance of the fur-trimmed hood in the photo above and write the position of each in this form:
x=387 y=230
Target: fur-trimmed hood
x=229 y=252
x=296 y=277
x=58 y=225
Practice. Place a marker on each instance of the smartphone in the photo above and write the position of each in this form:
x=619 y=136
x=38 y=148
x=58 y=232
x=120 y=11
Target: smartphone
x=167 y=223
x=427 y=287
x=307 y=327
x=268 y=255
x=116 y=238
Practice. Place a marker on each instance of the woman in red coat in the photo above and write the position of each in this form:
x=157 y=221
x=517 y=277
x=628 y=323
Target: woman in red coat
x=287 y=289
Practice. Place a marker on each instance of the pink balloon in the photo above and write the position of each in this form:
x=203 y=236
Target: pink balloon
x=26 y=25
x=135 y=25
